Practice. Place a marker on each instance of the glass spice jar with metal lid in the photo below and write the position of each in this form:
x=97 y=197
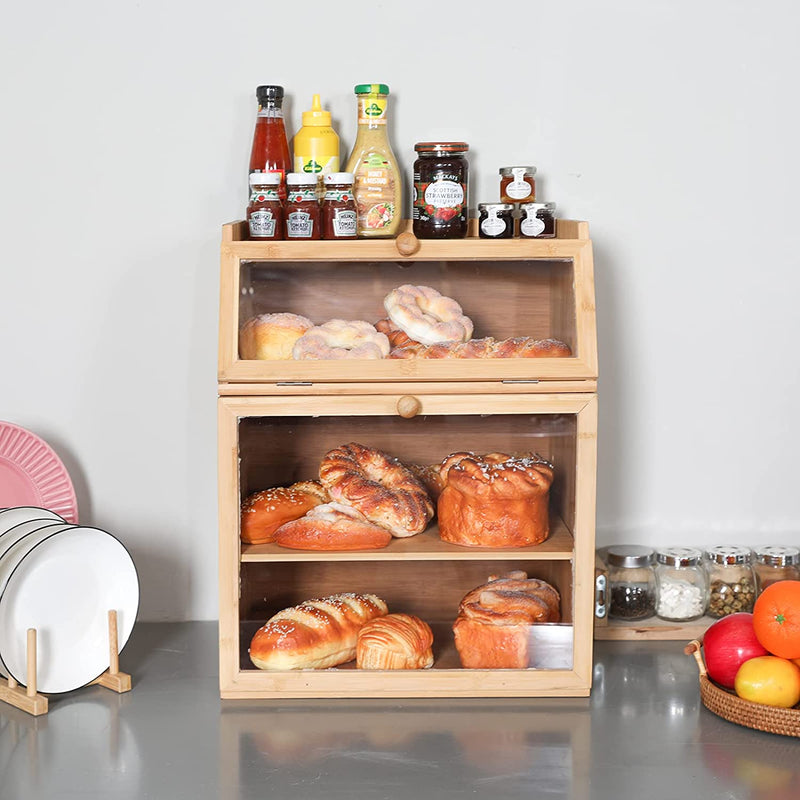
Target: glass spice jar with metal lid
x=441 y=179
x=776 y=563
x=632 y=582
x=537 y=220
x=732 y=585
x=682 y=584
x=517 y=184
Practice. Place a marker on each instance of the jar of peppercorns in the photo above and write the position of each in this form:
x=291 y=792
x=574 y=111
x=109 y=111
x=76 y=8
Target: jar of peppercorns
x=632 y=582
x=732 y=585
x=775 y=563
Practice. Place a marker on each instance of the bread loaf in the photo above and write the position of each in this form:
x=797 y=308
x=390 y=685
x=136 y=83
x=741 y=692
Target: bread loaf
x=271 y=337
x=396 y=641
x=265 y=511
x=315 y=634
x=332 y=526
x=492 y=629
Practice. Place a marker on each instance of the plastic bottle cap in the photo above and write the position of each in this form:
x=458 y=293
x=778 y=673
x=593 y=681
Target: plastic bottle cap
x=264 y=178
x=300 y=179
x=316 y=117
x=339 y=177
x=269 y=93
x=371 y=88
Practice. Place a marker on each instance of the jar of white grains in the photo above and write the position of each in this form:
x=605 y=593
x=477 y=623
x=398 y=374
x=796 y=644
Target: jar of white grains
x=775 y=563
x=682 y=584
x=732 y=584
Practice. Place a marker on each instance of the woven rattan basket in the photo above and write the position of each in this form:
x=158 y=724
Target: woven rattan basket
x=725 y=704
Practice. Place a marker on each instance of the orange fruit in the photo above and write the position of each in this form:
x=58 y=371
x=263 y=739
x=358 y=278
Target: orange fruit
x=776 y=619
x=770 y=680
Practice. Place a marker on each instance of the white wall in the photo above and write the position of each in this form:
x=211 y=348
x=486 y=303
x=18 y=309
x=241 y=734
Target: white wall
x=671 y=126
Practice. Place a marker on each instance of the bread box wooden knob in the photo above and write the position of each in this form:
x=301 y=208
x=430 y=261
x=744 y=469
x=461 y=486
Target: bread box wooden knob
x=408 y=406
x=407 y=244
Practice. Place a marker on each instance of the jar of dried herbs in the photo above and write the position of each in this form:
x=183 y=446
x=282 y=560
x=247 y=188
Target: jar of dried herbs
x=732 y=585
x=632 y=582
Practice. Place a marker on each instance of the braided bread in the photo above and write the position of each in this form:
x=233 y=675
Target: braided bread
x=493 y=622
x=315 y=634
x=396 y=337
x=488 y=347
x=496 y=500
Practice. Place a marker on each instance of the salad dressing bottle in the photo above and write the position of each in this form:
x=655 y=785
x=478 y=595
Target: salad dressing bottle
x=378 y=185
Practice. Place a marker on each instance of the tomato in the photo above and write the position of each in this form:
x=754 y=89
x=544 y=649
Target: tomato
x=776 y=618
x=727 y=644
x=769 y=680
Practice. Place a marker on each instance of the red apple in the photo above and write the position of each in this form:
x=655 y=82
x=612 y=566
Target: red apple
x=727 y=644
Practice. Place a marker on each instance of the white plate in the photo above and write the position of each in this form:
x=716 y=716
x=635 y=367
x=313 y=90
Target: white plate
x=63 y=583
x=9 y=517
x=13 y=536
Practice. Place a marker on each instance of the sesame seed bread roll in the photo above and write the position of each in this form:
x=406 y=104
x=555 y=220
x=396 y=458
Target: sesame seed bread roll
x=315 y=634
x=264 y=512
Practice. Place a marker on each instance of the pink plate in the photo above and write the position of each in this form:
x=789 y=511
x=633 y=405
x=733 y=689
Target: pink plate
x=31 y=474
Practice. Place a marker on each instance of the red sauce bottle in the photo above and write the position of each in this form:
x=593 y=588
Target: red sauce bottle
x=270 y=152
x=265 y=211
x=301 y=212
x=339 y=207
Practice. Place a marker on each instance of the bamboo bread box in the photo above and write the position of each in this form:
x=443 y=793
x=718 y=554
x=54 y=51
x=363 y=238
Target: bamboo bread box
x=277 y=419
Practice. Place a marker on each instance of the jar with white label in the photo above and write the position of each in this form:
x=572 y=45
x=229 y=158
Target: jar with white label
x=732 y=584
x=517 y=184
x=495 y=220
x=537 y=220
x=682 y=584
x=441 y=179
x=776 y=563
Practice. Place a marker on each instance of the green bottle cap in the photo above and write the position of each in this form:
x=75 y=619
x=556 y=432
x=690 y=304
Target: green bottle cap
x=371 y=88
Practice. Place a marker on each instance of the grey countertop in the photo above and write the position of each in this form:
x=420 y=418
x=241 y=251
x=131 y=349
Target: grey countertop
x=643 y=733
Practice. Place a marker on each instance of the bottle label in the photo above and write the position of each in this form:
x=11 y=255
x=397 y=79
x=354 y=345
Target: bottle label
x=444 y=194
x=262 y=223
x=374 y=191
x=299 y=225
x=493 y=225
x=304 y=194
x=372 y=110
x=531 y=225
x=316 y=164
x=338 y=195
x=262 y=195
x=344 y=222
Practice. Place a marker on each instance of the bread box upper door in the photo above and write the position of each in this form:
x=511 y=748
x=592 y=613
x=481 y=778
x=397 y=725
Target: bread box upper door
x=528 y=290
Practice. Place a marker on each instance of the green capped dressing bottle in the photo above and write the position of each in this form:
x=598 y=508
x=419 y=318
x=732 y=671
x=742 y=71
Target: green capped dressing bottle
x=316 y=145
x=378 y=185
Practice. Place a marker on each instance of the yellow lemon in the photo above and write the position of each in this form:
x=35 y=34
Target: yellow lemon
x=769 y=680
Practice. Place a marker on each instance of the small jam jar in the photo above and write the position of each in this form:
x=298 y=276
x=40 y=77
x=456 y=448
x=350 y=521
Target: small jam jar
x=632 y=582
x=301 y=211
x=517 y=184
x=495 y=220
x=537 y=220
x=339 y=207
x=682 y=584
x=732 y=584
x=265 y=211
x=441 y=178
x=775 y=563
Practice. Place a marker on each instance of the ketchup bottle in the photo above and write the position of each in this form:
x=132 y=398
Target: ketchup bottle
x=270 y=151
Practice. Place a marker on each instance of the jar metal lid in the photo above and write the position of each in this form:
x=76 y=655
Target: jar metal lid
x=300 y=179
x=510 y=170
x=679 y=556
x=778 y=556
x=495 y=207
x=339 y=177
x=441 y=147
x=629 y=555
x=537 y=206
x=264 y=178
x=729 y=554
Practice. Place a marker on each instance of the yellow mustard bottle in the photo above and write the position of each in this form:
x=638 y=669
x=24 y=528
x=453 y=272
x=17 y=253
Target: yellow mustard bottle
x=316 y=145
x=378 y=185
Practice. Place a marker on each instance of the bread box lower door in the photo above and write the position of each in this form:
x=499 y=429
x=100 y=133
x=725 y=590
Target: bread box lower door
x=277 y=441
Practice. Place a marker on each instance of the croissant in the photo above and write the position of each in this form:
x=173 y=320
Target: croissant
x=493 y=623
x=516 y=347
x=397 y=337
x=496 y=500
x=396 y=641
x=316 y=633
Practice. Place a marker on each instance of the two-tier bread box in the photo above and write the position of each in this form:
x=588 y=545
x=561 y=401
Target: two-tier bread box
x=279 y=418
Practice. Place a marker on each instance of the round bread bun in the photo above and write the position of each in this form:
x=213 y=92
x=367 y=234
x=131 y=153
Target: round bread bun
x=271 y=337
